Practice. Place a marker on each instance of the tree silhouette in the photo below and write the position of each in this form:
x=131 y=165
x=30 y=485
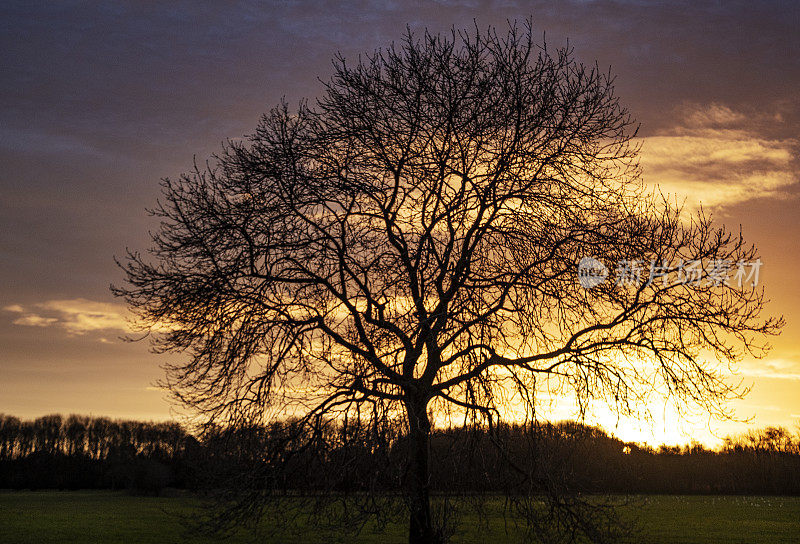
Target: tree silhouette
x=407 y=250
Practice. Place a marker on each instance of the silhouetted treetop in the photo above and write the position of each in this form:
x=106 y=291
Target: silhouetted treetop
x=409 y=245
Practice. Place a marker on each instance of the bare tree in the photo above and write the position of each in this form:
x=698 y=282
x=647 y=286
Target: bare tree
x=407 y=249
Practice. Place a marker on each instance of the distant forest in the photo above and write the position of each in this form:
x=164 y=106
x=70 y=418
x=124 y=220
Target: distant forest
x=77 y=452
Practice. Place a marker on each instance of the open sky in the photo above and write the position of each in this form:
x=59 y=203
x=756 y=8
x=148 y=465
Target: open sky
x=98 y=101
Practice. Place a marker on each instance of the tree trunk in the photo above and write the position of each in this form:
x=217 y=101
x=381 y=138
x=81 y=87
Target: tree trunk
x=420 y=530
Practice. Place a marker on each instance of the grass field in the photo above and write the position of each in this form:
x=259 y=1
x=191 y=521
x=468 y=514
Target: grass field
x=105 y=517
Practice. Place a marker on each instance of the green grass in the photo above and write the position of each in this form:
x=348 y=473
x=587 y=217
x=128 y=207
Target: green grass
x=88 y=516
x=720 y=519
x=107 y=517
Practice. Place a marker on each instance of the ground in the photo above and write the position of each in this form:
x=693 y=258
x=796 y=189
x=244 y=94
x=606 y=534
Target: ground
x=46 y=517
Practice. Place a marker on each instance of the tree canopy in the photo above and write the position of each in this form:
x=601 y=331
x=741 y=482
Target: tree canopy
x=407 y=248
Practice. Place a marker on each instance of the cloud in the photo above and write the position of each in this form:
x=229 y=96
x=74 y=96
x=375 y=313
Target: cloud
x=779 y=369
x=715 y=156
x=712 y=114
x=77 y=316
x=33 y=320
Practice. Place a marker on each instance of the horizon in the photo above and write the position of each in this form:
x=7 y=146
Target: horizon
x=717 y=448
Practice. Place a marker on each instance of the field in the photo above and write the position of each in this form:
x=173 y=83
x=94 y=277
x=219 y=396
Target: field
x=106 y=517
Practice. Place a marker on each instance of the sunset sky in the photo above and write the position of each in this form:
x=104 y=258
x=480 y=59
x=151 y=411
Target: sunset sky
x=98 y=102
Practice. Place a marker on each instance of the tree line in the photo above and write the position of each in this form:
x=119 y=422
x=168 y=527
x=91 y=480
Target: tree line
x=80 y=452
